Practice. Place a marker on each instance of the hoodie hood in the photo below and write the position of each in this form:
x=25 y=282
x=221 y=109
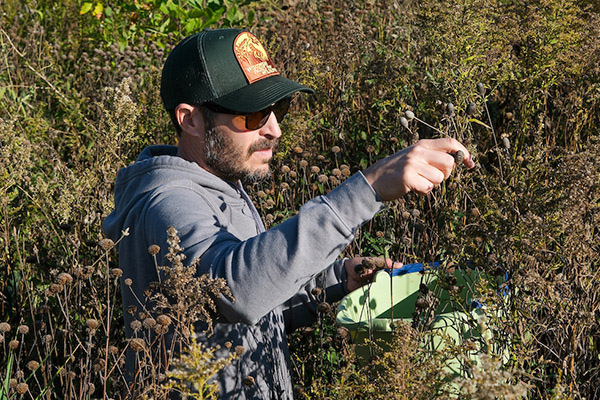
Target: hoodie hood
x=158 y=168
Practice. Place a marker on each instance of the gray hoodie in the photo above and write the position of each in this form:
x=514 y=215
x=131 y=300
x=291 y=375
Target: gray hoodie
x=270 y=273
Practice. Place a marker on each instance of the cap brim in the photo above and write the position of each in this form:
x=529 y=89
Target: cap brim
x=260 y=95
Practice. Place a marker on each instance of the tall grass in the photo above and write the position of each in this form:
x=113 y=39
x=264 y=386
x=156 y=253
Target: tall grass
x=79 y=99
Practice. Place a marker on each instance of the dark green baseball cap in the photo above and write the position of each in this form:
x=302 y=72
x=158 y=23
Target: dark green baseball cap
x=227 y=67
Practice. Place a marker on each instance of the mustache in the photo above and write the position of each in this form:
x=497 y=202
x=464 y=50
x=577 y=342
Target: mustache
x=263 y=144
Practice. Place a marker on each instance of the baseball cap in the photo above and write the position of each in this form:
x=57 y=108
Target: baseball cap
x=228 y=67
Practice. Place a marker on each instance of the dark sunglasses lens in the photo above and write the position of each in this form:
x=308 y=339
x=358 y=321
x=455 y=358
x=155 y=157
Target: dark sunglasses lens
x=258 y=119
x=281 y=108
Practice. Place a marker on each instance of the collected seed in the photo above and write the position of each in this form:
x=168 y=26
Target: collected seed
x=459 y=157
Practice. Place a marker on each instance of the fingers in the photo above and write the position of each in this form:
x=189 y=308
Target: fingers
x=451 y=146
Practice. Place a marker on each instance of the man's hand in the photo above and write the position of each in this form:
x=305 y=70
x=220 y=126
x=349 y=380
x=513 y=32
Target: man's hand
x=360 y=270
x=418 y=168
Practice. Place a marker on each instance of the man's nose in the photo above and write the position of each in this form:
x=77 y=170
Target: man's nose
x=271 y=129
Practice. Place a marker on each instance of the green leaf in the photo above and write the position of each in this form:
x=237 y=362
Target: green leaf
x=86 y=8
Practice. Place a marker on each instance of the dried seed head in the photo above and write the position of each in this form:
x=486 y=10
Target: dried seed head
x=379 y=234
x=56 y=288
x=404 y=122
x=116 y=272
x=227 y=345
x=315 y=170
x=22 y=388
x=506 y=143
x=285 y=169
x=64 y=278
x=163 y=320
x=323 y=178
x=405 y=215
x=153 y=249
x=23 y=329
x=135 y=325
x=481 y=89
x=459 y=157
x=113 y=349
x=409 y=115
x=343 y=332
x=106 y=244
x=149 y=323
x=370 y=149
x=303 y=163
x=421 y=303
x=316 y=291
x=415 y=213
x=373 y=263
x=336 y=172
x=13 y=344
x=32 y=365
x=248 y=381
x=471 y=108
x=509 y=116
x=324 y=307
x=335 y=149
x=131 y=309
x=450 y=109
x=128 y=282
x=298 y=150
x=4 y=327
x=91 y=324
x=239 y=350
x=137 y=344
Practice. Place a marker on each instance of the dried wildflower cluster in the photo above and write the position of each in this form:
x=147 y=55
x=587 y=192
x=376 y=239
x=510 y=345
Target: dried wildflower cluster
x=182 y=294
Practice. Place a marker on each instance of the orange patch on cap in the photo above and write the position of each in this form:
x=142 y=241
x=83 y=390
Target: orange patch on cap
x=253 y=57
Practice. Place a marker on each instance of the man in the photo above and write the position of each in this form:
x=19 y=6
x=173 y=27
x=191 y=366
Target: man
x=225 y=98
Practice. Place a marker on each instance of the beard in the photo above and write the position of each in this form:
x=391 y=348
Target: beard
x=225 y=157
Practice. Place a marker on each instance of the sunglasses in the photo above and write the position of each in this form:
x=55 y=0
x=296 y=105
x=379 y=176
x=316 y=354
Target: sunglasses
x=257 y=119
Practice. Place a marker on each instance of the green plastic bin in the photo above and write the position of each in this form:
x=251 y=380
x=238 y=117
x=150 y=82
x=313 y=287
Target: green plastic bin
x=369 y=312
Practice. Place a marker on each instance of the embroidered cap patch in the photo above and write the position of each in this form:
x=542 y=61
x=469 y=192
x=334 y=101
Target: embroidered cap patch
x=253 y=58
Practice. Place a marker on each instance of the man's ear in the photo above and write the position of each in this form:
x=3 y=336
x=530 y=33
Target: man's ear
x=189 y=119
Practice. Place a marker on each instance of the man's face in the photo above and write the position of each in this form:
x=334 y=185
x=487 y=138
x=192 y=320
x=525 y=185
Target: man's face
x=233 y=152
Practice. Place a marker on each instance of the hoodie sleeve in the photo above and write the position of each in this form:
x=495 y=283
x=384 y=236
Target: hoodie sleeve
x=264 y=271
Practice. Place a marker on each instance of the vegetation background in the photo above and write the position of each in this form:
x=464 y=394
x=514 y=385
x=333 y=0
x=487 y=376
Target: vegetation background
x=79 y=99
